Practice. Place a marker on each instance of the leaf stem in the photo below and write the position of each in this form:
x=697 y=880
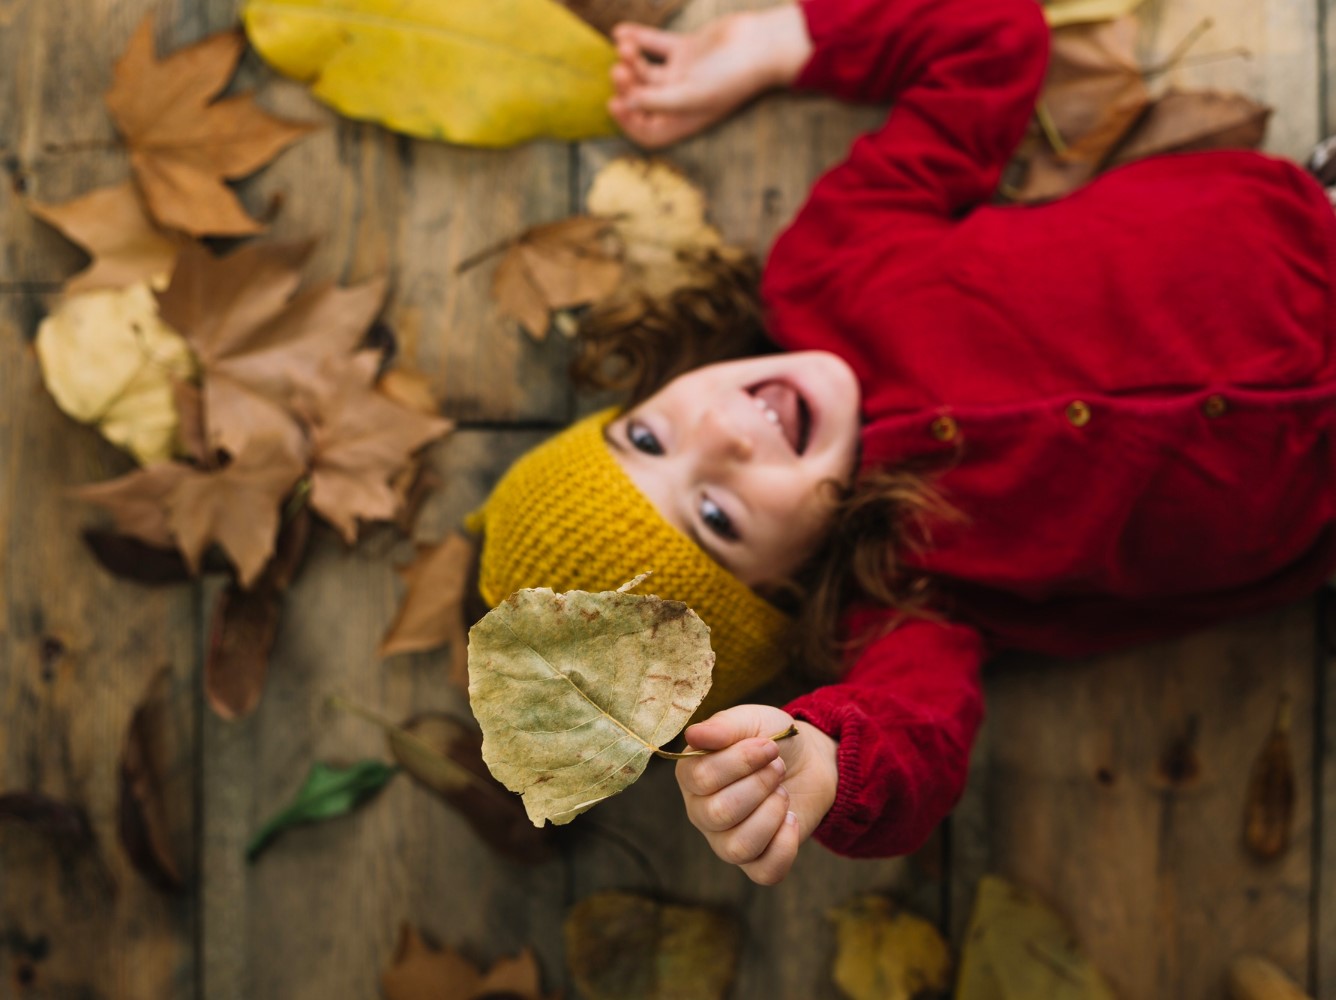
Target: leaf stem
x=1050 y=128
x=1180 y=50
x=488 y=251
x=670 y=755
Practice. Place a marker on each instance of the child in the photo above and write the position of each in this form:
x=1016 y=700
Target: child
x=1112 y=416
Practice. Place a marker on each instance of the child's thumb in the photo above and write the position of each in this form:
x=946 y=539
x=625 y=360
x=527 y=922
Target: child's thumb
x=740 y=722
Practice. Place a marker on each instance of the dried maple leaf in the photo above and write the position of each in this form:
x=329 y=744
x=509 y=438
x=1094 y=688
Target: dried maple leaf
x=182 y=147
x=138 y=502
x=574 y=692
x=421 y=972
x=1094 y=94
x=360 y=440
x=259 y=346
x=111 y=224
x=555 y=266
x=109 y=360
x=237 y=507
x=1184 y=121
x=432 y=612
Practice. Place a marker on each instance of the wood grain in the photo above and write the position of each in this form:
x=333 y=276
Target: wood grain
x=1324 y=888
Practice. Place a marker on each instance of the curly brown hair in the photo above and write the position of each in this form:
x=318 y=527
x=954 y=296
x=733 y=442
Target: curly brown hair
x=635 y=345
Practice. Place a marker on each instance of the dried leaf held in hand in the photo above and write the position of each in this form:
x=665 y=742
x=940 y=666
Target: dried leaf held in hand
x=328 y=792
x=621 y=946
x=1016 y=948
x=150 y=817
x=432 y=612
x=421 y=972
x=108 y=359
x=182 y=147
x=1185 y=121
x=575 y=691
x=490 y=75
x=555 y=266
x=884 y=953
x=112 y=225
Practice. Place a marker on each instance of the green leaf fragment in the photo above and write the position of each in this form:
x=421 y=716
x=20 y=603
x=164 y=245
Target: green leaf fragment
x=328 y=792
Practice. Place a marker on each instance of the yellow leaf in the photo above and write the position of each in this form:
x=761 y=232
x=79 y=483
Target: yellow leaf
x=1016 y=948
x=478 y=72
x=108 y=360
x=1063 y=12
x=883 y=953
x=659 y=216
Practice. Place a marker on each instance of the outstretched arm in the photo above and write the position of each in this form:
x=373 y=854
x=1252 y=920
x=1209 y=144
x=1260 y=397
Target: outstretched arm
x=672 y=85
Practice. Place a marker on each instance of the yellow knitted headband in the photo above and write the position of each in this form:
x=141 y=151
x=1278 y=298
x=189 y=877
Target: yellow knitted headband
x=567 y=516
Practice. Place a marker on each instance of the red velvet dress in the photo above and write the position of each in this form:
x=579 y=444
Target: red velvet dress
x=1130 y=393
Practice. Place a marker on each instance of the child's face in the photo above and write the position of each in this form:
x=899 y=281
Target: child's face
x=740 y=456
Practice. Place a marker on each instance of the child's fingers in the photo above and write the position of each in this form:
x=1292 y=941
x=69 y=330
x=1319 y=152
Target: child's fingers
x=664 y=97
x=715 y=771
x=749 y=840
x=733 y=803
x=660 y=44
x=777 y=859
x=731 y=725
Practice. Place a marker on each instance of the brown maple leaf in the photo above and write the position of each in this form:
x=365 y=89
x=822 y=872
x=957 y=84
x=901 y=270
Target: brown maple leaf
x=555 y=266
x=1188 y=120
x=421 y=972
x=111 y=224
x=236 y=507
x=137 y=501
x=258 y=346
x=360 y=440
x=432 y=612
x=182 y=147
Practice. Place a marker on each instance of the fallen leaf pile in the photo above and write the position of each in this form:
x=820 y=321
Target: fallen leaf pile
x=575 y=691
x=1097 y=111
x=421 y=972
x=623 y=946
x=483 y=75
x=248 y=399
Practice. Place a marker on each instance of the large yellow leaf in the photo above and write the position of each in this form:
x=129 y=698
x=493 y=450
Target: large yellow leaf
x=478 y=72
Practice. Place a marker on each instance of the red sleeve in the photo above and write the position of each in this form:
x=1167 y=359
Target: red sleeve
x=905 y=717
x=963 y=74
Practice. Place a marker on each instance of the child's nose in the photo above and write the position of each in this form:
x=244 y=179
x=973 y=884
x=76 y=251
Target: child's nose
x=722 y=439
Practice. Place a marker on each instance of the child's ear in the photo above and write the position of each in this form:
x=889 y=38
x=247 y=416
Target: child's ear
x=474 y=607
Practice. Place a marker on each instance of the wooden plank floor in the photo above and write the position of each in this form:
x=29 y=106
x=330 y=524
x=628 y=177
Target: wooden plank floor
x=1113 y=786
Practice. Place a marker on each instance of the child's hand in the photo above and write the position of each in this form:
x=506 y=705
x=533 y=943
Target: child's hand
x=756 y=799
x=670 y=85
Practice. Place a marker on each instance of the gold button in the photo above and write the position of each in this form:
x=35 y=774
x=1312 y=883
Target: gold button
x=1214 y=406
x=943 y=428
x=1078 y=413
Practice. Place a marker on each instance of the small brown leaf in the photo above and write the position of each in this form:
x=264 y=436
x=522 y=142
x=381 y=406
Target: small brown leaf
x=555 y=266
x=237 y=507
x=138 y=501
x=1186 y=121
x=150 y=752
x=54 y=818
x=411 y=390
x=420 y=972
x=360 y=440
x=182 y=147
x=432 y=612
x=621 y=946
x=446 y=756
x=245 y=623
x=112 y=225
x=1269 y=807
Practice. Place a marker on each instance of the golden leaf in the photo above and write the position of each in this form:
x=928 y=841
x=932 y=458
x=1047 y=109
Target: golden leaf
x=884 y=953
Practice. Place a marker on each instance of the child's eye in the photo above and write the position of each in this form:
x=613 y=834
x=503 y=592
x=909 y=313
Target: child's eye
x=716 y=520
x=642 y=438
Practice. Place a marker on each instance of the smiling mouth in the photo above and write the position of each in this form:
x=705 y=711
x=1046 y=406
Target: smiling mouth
x=782 y=405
